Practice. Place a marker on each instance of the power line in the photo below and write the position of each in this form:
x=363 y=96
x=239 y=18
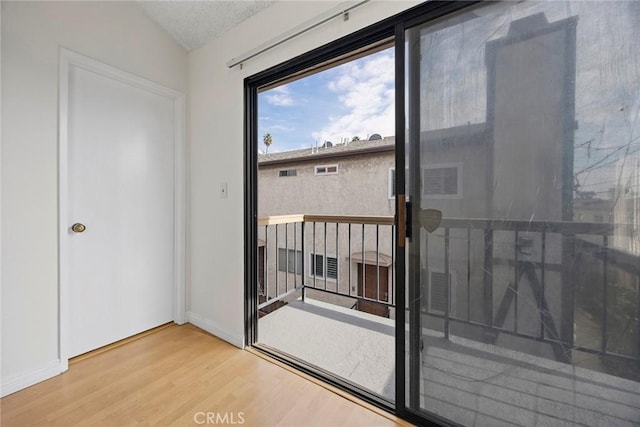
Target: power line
x=599 y=165
x=613 y=147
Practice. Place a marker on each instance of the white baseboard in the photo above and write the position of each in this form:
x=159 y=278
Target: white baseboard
x=17 y=382
x=214 y=329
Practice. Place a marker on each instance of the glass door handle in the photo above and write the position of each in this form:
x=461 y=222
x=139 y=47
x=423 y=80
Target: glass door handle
x=409 y=208
x=402 y=220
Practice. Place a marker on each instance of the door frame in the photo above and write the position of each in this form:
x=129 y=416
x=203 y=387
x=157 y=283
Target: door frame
x=69 y=58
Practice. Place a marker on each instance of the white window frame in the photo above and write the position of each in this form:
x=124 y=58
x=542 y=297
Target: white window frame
x=326 y=168
x=312 y=271
x=391 y=189
x=458 y=194
x=296 y=253
x=287 y=175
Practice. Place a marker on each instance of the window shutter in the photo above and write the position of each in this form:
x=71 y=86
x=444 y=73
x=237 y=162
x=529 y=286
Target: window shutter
x=332 y=268
x=437 y=292
x=318 y=265
x=440 y=181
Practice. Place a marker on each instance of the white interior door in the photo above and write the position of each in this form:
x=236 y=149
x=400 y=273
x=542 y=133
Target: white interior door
x=121 y=188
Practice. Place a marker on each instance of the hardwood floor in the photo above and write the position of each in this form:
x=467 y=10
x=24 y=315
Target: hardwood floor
x=181 y=376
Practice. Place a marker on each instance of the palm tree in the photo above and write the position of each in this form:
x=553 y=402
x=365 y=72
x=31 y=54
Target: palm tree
x=355 y=138
x=267 y=140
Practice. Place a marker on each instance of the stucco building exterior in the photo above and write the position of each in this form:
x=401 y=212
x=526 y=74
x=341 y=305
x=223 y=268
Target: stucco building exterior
x=351 y=179
x=355 y=183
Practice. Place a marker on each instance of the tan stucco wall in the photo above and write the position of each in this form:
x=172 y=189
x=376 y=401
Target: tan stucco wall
x=361 y=187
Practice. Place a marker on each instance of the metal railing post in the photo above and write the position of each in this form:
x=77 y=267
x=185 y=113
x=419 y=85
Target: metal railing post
x=447 y=279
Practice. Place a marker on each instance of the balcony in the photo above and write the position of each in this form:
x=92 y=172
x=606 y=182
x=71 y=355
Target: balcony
x=520 y=322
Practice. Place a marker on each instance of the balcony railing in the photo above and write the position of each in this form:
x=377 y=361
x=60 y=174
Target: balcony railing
x=569 y=265
x=351 y=257
x=564 y=284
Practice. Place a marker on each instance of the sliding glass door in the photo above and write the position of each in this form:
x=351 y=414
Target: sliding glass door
x=523 y=188
x=493 y=236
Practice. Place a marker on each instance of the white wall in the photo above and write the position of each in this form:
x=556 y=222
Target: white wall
x=116 y=33
x=216 y=124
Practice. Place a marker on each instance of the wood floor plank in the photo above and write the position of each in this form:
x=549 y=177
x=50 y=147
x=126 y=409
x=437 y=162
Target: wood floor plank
x=173 y=375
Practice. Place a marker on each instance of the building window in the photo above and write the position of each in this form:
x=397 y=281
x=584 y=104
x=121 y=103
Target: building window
x=442 y=181
x=320 y=268
x=327 y=170
x=288 y=172
x=391 y=191
x=438 y=291
x=292 y=263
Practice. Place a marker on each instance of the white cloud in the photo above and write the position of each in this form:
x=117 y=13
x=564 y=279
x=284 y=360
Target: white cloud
x=366 y=90
x=283 y=128
x=280 y=97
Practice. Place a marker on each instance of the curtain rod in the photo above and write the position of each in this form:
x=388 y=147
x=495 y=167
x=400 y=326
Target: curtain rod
x=341 y=9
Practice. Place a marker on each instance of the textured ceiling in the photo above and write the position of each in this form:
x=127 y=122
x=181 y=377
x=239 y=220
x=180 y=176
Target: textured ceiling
x=195 y=23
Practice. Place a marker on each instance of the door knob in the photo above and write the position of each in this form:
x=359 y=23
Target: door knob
x=78 y=228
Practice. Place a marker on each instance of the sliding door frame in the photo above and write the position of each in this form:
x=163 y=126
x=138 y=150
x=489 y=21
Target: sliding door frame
x=391 y=28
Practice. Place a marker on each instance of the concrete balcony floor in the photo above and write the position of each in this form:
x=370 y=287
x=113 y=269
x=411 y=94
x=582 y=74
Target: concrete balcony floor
x=468 y=382
x=357 y=346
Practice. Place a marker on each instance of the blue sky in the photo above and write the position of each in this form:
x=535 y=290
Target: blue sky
x=353 y=99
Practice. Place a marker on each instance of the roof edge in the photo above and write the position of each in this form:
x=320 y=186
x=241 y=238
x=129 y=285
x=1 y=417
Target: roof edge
x=321 y=156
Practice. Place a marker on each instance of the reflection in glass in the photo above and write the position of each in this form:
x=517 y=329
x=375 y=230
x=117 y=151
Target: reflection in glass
x=524 y=130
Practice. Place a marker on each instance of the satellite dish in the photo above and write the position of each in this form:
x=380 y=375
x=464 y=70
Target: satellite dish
x=327 y=144
x=375 y=137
